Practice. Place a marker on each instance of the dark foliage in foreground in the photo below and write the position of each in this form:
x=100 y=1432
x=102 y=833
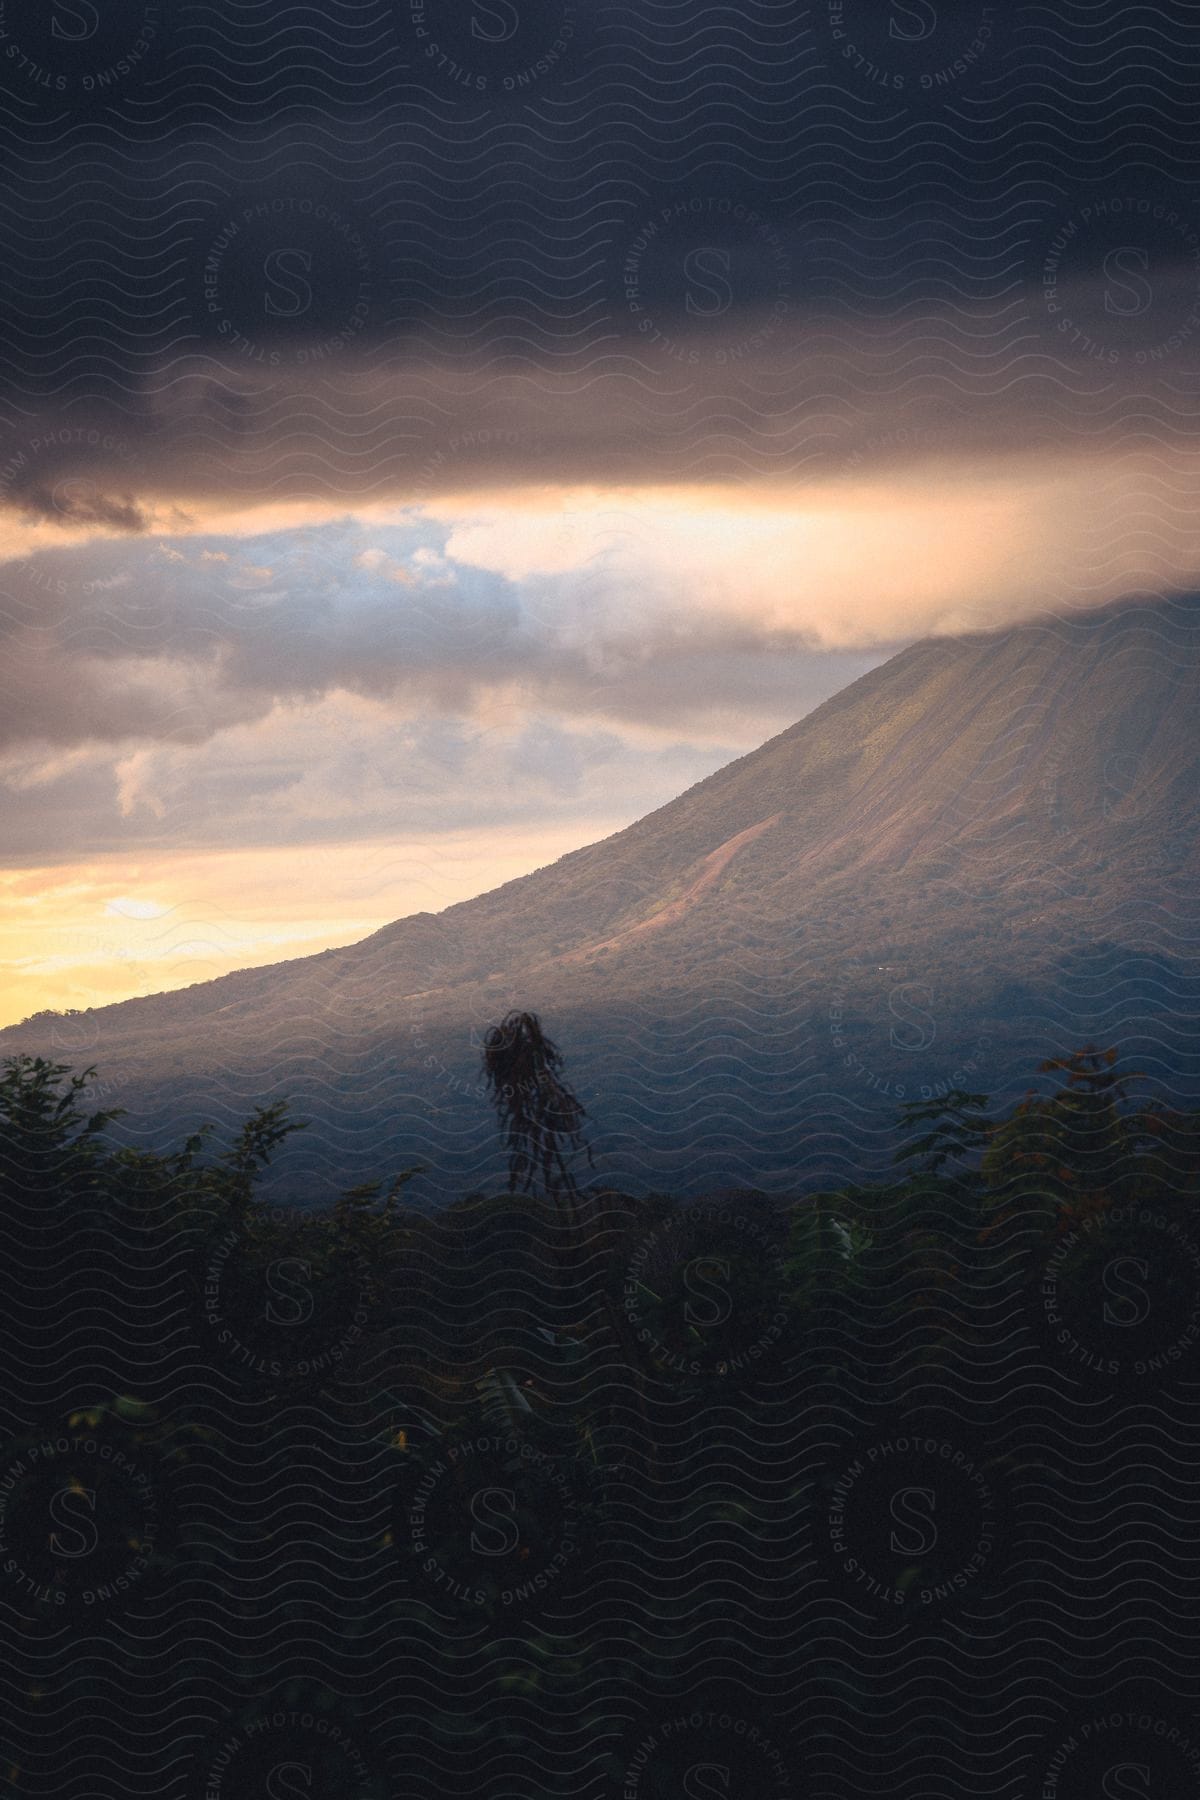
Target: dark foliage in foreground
x=509 y=1313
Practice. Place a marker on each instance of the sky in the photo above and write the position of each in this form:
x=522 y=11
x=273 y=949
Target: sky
x=433 y=436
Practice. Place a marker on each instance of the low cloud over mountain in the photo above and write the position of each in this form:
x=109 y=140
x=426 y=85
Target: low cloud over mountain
x=980 y=852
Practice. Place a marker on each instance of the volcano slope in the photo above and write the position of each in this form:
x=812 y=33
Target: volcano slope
x=980 y=854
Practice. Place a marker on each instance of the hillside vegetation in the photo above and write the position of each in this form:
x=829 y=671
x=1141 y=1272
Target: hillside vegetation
x=981 y=851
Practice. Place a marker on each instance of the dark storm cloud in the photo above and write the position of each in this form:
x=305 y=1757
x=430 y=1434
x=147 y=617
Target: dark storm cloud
x=77 y=503
x=382 y=252
x=540 y=180
x=1063 y=377
x=315 y=252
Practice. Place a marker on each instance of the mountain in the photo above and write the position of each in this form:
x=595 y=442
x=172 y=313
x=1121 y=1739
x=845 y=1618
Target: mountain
x=978 y=855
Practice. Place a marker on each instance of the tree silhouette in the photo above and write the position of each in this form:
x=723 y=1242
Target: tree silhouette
x=541 y=1118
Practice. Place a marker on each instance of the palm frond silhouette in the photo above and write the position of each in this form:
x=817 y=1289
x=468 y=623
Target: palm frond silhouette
x=541 y=1118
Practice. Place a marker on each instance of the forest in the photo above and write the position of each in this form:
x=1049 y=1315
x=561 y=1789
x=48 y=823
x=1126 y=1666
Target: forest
x=513 y=1439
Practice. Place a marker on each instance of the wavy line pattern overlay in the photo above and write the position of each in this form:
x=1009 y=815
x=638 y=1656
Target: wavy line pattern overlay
x=753 y=1468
